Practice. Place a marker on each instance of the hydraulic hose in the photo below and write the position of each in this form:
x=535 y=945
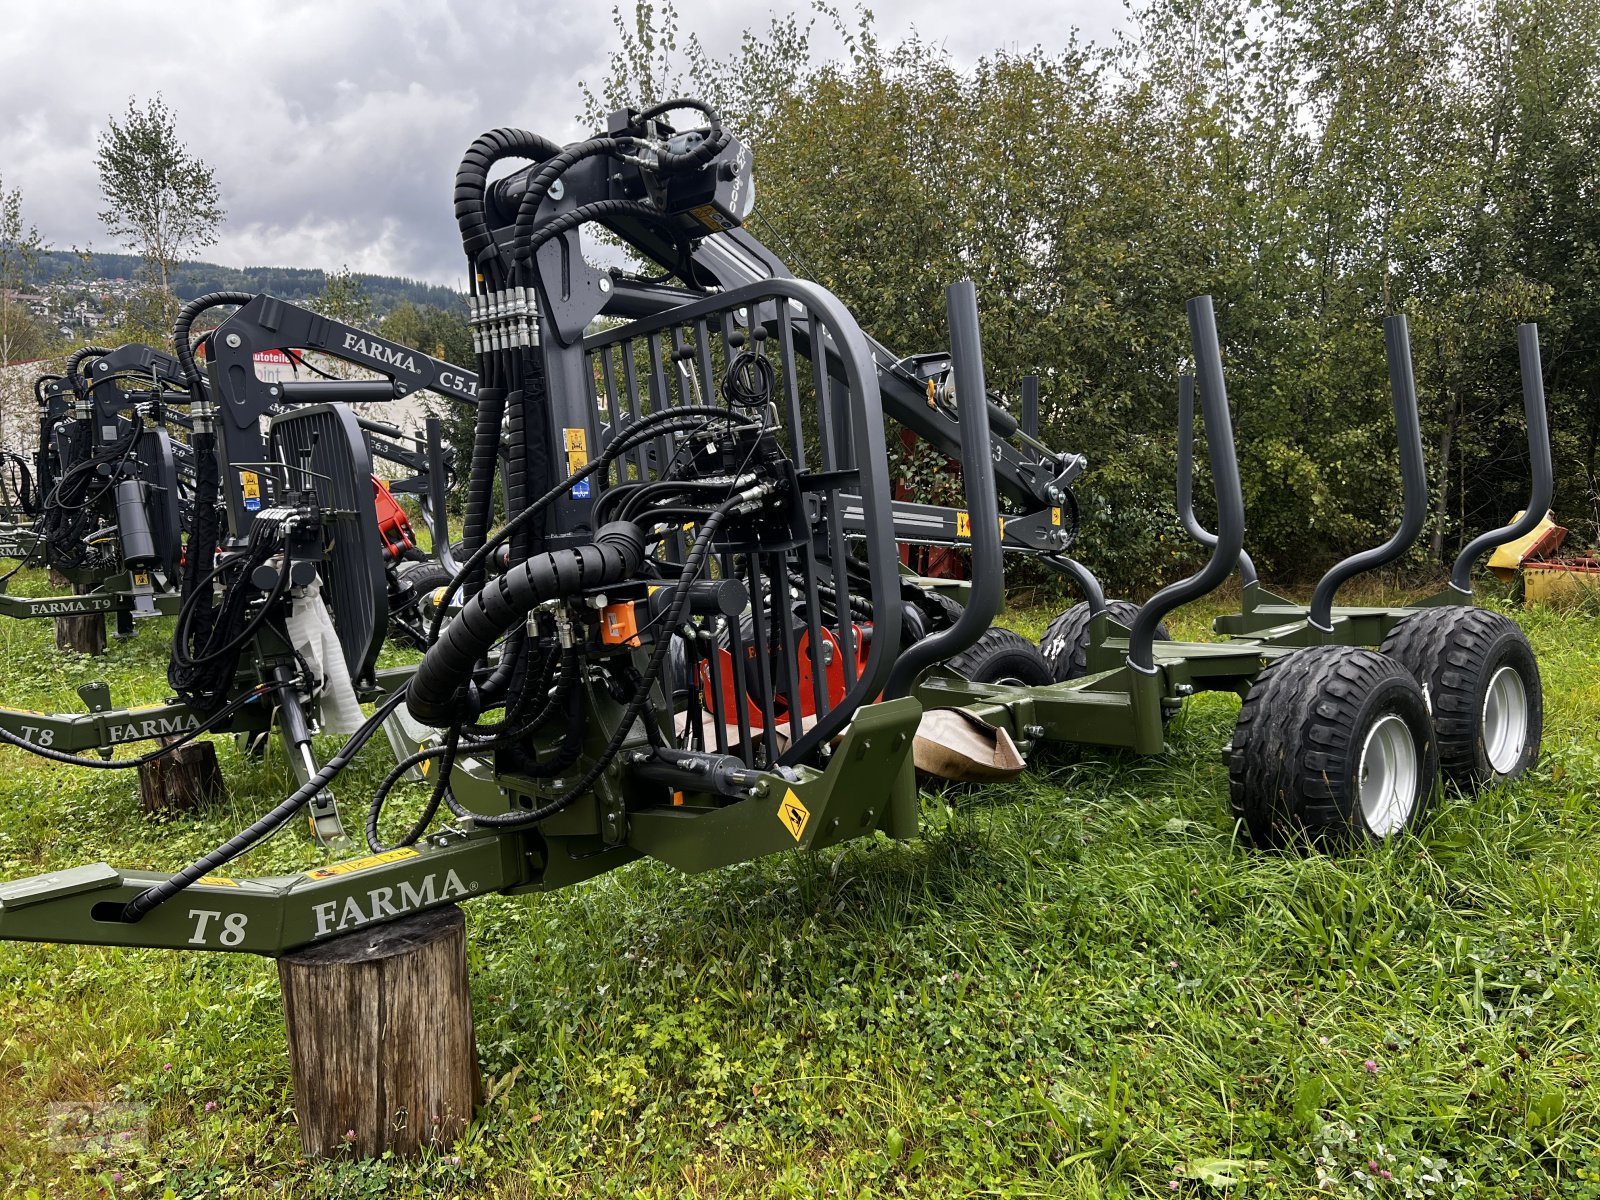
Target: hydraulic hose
x=186 y=319
x=539 y=185
x=76 y=357
x=597 y=211
x=472 y=178
x=267 y=824
x=716 y=138
x=617 y=553
x=641 y=696
x=669 y=420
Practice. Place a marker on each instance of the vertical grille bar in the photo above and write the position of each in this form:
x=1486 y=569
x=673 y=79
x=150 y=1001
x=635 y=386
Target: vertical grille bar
x=760 y=634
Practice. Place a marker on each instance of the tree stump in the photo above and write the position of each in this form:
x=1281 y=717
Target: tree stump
x=84 y=635
x=186 y=780
x=381 y=1045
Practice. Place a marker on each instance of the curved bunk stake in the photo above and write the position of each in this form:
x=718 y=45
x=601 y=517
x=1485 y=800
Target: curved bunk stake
x=1191 y=524
x=977 y=478
x=1229 y=541
x=1533 y=408
x=1414 y=480
x=1094 y=594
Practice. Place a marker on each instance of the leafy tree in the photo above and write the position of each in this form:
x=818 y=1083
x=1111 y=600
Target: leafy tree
x=20 y=247
x=160 y=199
x=444 y=334
x=344 y=298
x=1314 y=165
x=21 y=336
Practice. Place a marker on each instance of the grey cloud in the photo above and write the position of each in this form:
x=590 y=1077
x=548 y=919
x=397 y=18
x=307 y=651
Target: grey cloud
x=335 y=128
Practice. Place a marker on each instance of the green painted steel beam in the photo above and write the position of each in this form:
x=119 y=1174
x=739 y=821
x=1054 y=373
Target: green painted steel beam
x=258 y=916
x=867 y=785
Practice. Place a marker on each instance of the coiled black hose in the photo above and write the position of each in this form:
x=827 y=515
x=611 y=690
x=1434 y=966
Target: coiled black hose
x=472 y=178
x=79 y=385
x=446 y=668
x=641 y=696
x=185 y=321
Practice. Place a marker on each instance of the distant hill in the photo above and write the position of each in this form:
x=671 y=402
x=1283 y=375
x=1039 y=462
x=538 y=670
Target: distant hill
x=288 y=283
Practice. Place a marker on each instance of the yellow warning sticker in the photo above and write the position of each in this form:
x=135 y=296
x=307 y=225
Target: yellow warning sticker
x=1002 y=529
x=577 y=450
x=216 y=881
x=140 y=579
x=963 y=525
x=711 y=217
x=1055 y=516
x=251 y=482
x=361 y=864
x=794 y=815
x=422 y=767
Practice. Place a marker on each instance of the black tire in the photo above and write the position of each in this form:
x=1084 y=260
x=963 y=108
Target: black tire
x=1065 y=644
x=411 y=603
x=1304 y=745
x=1458 y=654
x=1002 y=656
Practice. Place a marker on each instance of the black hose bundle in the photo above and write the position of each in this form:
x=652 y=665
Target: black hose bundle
x=442 y=691
x=67 y=514
x=435 y=693
x=196 y=672
x=207 y=640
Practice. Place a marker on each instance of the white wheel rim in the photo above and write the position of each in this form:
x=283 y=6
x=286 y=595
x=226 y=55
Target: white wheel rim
x=1505 y=720
x=1386 y=775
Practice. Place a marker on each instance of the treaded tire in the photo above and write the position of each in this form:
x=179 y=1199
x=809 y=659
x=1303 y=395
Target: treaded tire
x=410 y=610
x=1456 y=652
x=1002 y=656
x=1304 y=730
x=1065 y=644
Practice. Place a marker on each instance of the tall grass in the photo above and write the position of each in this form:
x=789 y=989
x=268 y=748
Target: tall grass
x=1081 y=984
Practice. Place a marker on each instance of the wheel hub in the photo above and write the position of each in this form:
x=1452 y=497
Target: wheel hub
x=1505 y=720
x=1387 y=775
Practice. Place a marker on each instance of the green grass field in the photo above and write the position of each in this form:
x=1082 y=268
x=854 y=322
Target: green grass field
x=1078 y=985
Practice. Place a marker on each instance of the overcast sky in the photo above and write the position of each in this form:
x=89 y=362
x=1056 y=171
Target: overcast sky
x=335 y=127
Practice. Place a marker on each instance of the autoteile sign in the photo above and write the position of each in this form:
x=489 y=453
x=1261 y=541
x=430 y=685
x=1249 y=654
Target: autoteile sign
x=273 y=365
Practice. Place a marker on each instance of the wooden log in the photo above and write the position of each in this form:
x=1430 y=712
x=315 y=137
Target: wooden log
x=186 y=780
x=83 y=635
x=381 y=1045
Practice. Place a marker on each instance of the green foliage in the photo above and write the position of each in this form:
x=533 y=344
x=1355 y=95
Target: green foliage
x=443 y=333
x=21 y=336
x=159 y=198
x=343 y=298
x=1313 y=166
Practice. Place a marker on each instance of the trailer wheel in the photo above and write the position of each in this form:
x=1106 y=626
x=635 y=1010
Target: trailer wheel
x=1065 y=644
x=1482 y=682
x=1333 y=745
x=1002 y=656
x=411 y=605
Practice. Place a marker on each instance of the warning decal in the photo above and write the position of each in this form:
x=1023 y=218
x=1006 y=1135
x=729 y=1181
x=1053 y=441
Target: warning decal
x=250 y=483
x=963 y=525
x=360 y=864
x=794 y=815
x=577 y=458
